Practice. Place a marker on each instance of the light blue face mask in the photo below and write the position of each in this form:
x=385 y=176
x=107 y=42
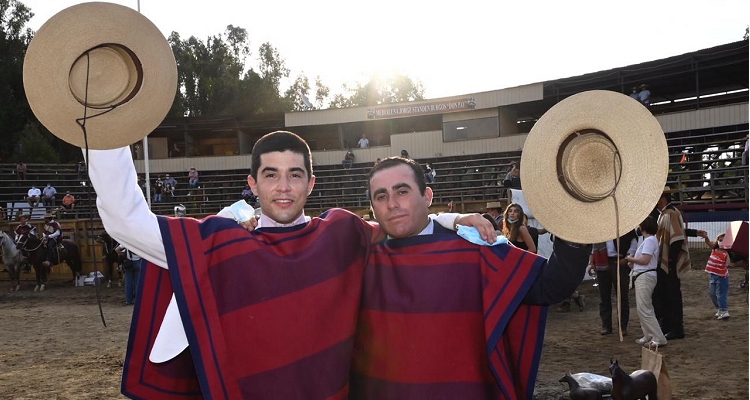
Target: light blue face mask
x=512 y=221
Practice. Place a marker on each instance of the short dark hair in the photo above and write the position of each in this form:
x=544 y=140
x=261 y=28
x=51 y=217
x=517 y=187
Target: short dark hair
x=649 y=225
x=281 y=141
x=395 y=161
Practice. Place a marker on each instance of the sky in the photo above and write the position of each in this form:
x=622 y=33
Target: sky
x=453 y=48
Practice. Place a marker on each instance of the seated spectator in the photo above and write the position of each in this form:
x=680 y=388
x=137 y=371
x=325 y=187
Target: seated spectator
x=48 y=195
x=193 y=177
x=430 y=173
x=170 y=184
x=348 y=159
x=68 y=201
x=645 y=95
x=405 y=154
x=81 y=170
x=21 y=170
x=635 y=94
x=248 y=195
x=33 y=196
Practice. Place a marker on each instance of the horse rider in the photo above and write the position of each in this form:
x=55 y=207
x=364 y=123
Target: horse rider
x=52 y=236
x=24 y=228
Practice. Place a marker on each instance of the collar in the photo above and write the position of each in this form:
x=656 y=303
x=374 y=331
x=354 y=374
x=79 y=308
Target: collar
x=428 y=230
x=267 y=222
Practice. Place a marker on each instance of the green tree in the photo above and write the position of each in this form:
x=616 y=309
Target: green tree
x=321 y=92
x=14 y=39
x=35 y=146
x=396 y=88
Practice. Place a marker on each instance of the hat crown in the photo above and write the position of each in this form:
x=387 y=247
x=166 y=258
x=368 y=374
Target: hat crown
x=589 y=165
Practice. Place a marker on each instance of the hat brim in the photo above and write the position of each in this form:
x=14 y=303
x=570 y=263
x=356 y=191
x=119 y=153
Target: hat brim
x=71 y=33
x=644 y=163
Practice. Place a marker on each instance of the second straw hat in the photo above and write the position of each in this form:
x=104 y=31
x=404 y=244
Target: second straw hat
x=595 y=162
x=103 y=61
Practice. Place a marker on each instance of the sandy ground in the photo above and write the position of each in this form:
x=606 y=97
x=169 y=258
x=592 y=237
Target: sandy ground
x=54 y=345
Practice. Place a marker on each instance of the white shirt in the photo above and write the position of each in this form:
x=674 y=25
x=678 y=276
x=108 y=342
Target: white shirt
x=127 y=218
x=650 y=245
x=363 y=142
x=34 y=192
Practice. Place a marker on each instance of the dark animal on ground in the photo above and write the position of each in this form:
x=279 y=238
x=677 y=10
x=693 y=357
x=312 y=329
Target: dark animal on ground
x=640 y=385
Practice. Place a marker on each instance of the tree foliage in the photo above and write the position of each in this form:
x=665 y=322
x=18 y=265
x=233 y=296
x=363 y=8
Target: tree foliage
x=380 y=90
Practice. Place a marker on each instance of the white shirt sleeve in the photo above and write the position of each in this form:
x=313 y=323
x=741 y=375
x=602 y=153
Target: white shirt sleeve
x=124 y=212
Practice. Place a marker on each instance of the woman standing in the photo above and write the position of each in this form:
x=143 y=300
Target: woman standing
x=514 y=228
x=644 y=264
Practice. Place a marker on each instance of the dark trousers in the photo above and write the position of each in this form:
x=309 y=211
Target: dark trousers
x=668 y=301
x=607 y=286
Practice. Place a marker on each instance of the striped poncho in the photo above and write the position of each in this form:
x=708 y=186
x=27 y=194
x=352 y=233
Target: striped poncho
x=267 y=316
x=442 y=318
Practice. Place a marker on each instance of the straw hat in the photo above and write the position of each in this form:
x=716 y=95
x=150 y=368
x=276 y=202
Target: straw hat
x=131 y=73
x=494 y=204
x=584 y=152
x=48 y=216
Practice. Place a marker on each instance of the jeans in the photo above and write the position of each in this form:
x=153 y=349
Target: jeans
x=131 y=281
x=718 y=286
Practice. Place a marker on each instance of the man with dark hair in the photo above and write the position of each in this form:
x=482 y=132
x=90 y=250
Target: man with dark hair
x=453 y=336
x=291 y=289
x=674 y=260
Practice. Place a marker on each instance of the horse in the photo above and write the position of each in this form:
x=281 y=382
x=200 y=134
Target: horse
x=111 y=257
x=639 y=385
x=37 y=255
x=580 y=393
x=11 y=260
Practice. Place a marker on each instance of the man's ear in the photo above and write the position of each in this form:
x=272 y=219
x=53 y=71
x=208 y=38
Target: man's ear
x=253 y=184
x=310 y=185
x=428 y=196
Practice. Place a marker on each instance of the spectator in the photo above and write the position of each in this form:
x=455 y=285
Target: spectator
x=514 y=228
x=158 y=189
x=21 y=170
x=248 y=195
x=604 y=260
x=33 y=196
x=363 y=142
x=644 y=264
x=377 y=161
x=68 y=201
x=674 y=260
x=193 y=177
x=48 y=195
x=81 y=170
x=175 y=152
x=131 y=267
x=495 y=210
x=645 y=95
x=169 y=186
x=635 y=94
x=405 y=154
x=513 y=178
x=718 y=281
x=348 y=159
x=430 y=174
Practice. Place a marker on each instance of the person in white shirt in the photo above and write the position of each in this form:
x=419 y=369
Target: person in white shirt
x=363 y=142
x=33 y=196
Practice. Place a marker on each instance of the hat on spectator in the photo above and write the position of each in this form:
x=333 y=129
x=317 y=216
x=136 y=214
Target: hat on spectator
x=105 y=62
x=48 y=216
x=494 y=204
x=23 y=216
x=595 y=166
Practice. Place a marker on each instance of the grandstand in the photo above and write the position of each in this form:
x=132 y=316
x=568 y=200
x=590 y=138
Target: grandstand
x=699 y=98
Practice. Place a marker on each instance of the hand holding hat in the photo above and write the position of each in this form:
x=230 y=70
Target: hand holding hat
x=104 y=66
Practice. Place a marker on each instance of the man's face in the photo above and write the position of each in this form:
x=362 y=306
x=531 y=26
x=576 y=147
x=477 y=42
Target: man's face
x=396 y=202
x=282 y=185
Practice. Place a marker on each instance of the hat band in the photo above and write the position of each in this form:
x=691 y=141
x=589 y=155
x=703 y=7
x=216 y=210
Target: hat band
x=589 y=165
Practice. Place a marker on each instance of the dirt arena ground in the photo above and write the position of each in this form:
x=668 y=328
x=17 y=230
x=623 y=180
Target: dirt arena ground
x=54 y=345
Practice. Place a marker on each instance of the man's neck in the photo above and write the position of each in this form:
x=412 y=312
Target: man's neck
x=267 y=222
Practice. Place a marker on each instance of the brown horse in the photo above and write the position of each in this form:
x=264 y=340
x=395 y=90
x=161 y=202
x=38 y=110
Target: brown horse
x=11 y=260
x=636 y=386
x=37 y=255
x=111 y=257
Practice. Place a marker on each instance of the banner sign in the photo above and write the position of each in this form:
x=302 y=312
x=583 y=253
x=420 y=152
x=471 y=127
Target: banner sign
x=433 y=107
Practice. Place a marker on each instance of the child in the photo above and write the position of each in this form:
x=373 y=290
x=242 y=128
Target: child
x=718 y=282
